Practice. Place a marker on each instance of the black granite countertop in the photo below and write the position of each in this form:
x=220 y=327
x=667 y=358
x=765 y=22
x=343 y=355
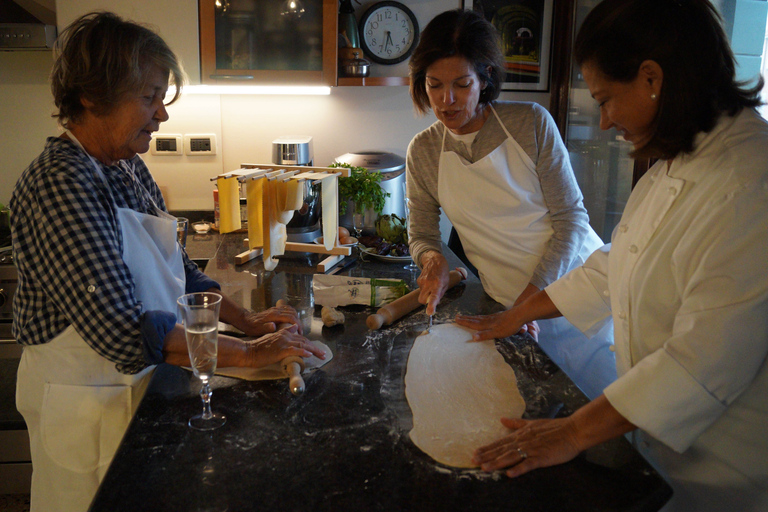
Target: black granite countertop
x=344 y=444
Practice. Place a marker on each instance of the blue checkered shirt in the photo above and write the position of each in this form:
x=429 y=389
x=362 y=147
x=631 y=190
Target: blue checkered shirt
x=67 y=246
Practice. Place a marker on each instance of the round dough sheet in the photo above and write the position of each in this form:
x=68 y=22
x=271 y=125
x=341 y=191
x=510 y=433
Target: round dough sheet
x=458 y=391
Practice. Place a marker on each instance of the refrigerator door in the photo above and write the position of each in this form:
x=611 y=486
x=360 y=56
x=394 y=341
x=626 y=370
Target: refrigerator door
x=599 y=158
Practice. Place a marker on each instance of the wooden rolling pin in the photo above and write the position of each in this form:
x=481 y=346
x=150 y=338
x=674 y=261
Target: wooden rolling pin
x=398 y=308
x=292 y=365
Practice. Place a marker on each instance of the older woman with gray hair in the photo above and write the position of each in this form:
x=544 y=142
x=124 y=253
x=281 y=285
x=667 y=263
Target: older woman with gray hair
x=99 y=266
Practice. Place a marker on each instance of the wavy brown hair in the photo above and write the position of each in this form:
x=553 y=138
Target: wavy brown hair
x=458 y=33
x=102 y=58
x=686 y=38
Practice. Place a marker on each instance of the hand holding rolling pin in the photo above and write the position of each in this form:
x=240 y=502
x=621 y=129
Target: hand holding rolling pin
x=433 y=281
x=294 y=365
x=407 y=303
x=276 y=346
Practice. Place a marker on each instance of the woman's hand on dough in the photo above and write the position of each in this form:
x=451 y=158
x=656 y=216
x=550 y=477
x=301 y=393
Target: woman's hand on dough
x=541 y=443
x=274 y=347
x=532 y=444
x=496 y=325
x=264 y=322
x=433 y=280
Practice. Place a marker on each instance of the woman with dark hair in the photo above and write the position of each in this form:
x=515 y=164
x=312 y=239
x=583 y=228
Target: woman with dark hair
x=501 y=173
x=99 y=266
x=684 y=279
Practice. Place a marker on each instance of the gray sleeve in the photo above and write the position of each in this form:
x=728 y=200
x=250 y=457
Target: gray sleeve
x=563 y=198
x=421 y=169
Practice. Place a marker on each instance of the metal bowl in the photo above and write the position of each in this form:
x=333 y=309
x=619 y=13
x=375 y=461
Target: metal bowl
x=355 y=67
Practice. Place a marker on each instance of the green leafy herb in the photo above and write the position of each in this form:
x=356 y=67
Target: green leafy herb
x=362 y=188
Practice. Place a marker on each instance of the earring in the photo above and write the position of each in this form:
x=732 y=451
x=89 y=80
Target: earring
x=653 y=96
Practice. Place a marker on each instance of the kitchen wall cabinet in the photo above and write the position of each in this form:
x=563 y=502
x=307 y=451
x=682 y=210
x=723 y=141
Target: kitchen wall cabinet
x=268 y=41
x=249 y=41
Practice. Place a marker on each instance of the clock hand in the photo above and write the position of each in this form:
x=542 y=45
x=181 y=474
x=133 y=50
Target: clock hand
x=388 y=41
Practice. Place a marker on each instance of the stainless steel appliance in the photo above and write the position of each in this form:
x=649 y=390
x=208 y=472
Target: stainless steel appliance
x=392 y=169
x=292 y=150
x=15 y=460
x=304 y=226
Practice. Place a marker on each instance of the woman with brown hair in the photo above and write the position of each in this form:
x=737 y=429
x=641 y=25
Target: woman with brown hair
x=684 y=278
x=501 y=173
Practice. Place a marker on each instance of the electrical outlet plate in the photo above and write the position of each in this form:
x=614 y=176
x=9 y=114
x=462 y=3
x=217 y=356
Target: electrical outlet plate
x=203 y=144
x=166 y=144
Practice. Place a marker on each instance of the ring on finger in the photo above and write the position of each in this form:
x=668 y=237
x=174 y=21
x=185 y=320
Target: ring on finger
x=521 y=453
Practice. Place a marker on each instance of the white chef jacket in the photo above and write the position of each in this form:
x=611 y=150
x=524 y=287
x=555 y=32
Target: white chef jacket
x=686 y=281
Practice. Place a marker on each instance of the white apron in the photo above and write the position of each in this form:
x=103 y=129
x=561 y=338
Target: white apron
x=77 y=406
x=497 y=207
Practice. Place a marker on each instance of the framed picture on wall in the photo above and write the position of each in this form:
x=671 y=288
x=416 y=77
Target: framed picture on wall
x=525 y=27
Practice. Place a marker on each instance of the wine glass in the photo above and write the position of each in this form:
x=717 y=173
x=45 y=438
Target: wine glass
x=200 y=316
x=358 y=222
x=412 y=266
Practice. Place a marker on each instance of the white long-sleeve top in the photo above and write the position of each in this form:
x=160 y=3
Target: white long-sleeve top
x=686 y=281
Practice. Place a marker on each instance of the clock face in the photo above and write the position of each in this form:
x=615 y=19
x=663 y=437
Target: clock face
x=388 y=32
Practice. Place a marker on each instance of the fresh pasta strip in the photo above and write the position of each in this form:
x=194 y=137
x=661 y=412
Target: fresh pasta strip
x=254 y=193
x=229 y=204
x=284 y=215
x=294 y=196
x=275 y=234
x=330 y=205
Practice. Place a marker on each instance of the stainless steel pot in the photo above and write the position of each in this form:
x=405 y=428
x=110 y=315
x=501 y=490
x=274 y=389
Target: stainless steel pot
x=392 y=168
x=355 y=67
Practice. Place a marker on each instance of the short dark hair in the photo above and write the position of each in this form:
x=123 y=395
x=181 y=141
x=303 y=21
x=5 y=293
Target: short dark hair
x=102 y=57
x=686 y=38
x=460 y=33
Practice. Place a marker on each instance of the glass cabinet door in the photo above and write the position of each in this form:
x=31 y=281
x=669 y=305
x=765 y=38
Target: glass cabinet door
x=268 y=41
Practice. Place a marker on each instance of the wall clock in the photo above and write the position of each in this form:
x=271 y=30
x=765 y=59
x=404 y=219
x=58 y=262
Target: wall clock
x=388 y=32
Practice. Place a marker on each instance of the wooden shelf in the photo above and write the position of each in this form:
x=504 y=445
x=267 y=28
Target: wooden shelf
x=374 y=81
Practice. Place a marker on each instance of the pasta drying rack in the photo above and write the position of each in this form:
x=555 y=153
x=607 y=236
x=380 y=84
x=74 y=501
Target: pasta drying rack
x=279 y=186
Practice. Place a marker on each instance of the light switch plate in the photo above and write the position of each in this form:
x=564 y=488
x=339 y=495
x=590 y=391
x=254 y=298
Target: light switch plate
x=166 y=144
x=200 y=144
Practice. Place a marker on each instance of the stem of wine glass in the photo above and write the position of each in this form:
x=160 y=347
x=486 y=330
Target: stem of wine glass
x=358 y=220
x=205 y=394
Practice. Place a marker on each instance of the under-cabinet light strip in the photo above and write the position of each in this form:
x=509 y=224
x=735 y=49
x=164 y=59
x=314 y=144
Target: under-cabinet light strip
x=253 y=89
